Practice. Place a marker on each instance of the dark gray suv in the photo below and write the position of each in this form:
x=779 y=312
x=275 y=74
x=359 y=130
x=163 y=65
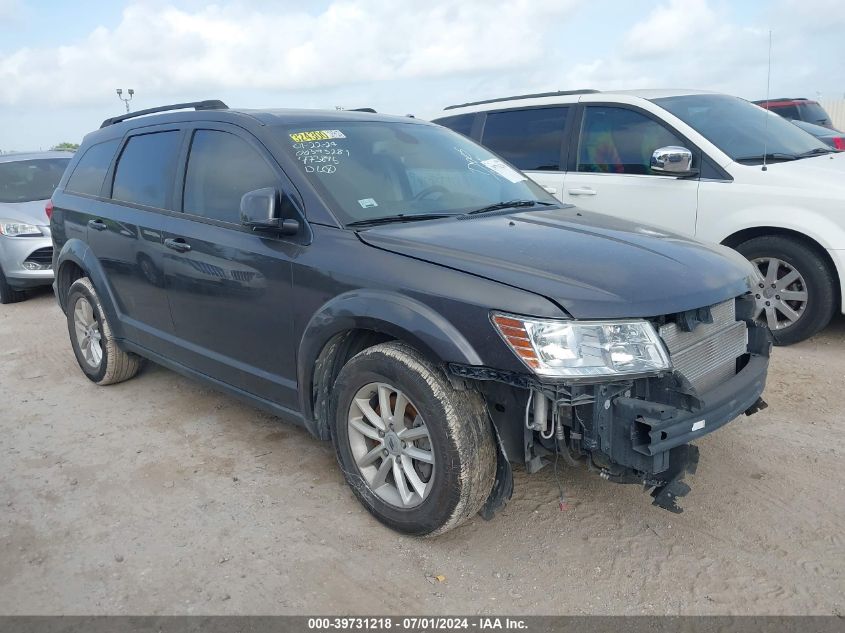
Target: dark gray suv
x=398 y=289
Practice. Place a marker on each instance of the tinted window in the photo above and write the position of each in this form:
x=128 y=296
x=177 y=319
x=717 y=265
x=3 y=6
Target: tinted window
x=814 y=113
x=530 y=139
x=145 y=169
x=786 y=111
x=91 y=169
x=366 y=170
x=620 y=141
x=741 y=129
x=461 y=124
x=221 y=169
x=28 y=180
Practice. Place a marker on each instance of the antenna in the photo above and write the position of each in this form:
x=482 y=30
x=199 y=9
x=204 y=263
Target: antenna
x=768 y=113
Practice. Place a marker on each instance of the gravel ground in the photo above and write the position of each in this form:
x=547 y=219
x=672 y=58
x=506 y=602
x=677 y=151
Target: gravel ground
x=161 y=496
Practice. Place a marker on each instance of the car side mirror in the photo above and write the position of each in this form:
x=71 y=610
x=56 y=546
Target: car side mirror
x=260 y=211
x=672 y=160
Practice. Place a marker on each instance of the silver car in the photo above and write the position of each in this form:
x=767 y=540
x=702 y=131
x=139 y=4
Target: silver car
x=26 y=252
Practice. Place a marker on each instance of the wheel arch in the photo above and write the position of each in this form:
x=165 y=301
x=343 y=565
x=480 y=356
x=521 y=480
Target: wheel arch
x=738 y=237
x=357 y=320
x=76 y=260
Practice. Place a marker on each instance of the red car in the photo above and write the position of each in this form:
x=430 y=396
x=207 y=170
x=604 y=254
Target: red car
x=798 y=109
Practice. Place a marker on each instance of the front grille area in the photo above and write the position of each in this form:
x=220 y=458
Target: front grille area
x=42 y=257
x=707 y=355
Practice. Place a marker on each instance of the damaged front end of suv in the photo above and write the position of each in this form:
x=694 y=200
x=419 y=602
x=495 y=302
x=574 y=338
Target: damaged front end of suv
x=624 y=398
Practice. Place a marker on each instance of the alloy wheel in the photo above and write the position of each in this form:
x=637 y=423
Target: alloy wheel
x=391 y=445
x=88 y=335
x=781 y=295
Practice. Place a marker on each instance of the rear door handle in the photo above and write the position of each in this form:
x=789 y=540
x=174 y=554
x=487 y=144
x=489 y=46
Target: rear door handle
x=97 y=225
x=581 y=191
x=177 y=244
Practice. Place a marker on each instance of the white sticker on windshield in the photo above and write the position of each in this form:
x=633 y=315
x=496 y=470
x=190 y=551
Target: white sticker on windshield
x=503 y=169
x=366 y=203
x=698 y=425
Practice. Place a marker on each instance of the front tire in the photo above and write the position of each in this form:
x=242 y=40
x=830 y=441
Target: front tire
x=92 y=340
x=9 y=294
x=796 y=298
x=418 y=454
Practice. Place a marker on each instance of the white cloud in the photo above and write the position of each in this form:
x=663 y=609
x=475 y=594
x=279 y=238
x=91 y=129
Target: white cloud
x=168 y=50
x=696 y=44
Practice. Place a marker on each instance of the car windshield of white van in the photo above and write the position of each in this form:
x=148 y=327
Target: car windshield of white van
x=742 y=130
x=378 y=172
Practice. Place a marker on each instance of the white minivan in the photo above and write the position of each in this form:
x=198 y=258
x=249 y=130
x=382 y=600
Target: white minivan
x=698 y=163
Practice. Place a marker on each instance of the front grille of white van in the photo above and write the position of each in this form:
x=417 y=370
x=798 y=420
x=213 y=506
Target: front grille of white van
x=707 y=355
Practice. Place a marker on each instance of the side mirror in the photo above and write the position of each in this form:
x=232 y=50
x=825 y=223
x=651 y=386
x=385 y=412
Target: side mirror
x=260 y=212
x=672 y=161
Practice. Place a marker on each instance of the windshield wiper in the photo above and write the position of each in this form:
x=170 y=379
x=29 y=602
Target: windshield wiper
x=777 y=156
x=400 y=217
x=816 y=151
x=509 y=204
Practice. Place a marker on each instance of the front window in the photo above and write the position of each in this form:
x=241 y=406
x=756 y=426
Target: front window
x=742 y=130
x=620 y=141
x=369 y=170
x=28 y=180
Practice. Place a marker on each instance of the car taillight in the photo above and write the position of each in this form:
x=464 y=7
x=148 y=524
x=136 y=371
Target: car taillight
x=839 y=142
x=48 y=209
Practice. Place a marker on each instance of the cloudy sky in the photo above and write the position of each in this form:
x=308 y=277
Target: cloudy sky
x=61 y=61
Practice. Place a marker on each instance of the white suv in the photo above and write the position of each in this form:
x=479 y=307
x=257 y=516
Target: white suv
x=691 y=162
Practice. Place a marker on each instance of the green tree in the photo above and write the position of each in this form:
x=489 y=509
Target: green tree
x=70 y=147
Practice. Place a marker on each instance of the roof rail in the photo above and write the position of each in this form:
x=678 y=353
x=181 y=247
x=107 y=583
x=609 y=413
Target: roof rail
x=210 y=104
x=559 y=93
x=370 y=110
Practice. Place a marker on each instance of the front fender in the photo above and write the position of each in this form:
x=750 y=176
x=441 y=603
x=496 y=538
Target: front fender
x=393 y=314
x=75 y=251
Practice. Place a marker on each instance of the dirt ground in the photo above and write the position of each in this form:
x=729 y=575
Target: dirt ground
x=161 y=496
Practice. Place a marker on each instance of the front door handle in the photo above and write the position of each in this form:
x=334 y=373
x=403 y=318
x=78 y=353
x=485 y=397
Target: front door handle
x=97 y=225
x=177 y=244
x=551 y=190
x=581 y=191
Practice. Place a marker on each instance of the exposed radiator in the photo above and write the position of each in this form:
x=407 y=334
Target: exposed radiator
x=707 y=355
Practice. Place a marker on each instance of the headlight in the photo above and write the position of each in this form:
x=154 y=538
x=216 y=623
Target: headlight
x=11 y=228
x=583 y=349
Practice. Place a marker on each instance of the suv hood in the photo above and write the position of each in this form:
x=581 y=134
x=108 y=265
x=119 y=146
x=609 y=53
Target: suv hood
x=29 y=212
x=592 y=265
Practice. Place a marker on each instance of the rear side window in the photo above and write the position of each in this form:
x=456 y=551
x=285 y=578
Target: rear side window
x=144 y=171
x=620 y=141
x=90 y=171
x=462 y=124
x=223 y=167
x=786 y=111
x=530 y=139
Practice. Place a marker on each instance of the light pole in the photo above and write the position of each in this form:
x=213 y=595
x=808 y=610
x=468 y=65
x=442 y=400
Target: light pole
x=125 y=100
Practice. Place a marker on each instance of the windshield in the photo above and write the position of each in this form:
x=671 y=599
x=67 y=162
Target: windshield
x=739 y=128
x=28 y=180
x=370 y=170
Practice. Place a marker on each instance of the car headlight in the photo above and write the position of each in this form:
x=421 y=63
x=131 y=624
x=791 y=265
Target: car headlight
x=583 y=349
x=12 y=228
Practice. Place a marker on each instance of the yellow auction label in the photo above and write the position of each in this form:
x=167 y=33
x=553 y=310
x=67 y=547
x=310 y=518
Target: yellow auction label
x=316 y=135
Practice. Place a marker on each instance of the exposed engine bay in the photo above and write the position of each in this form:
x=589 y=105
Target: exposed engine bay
x=637 y=430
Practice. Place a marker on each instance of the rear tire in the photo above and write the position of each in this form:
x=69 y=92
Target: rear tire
x=92 y=340
x=816 y=283
x=440 y=447
x=9 y=294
